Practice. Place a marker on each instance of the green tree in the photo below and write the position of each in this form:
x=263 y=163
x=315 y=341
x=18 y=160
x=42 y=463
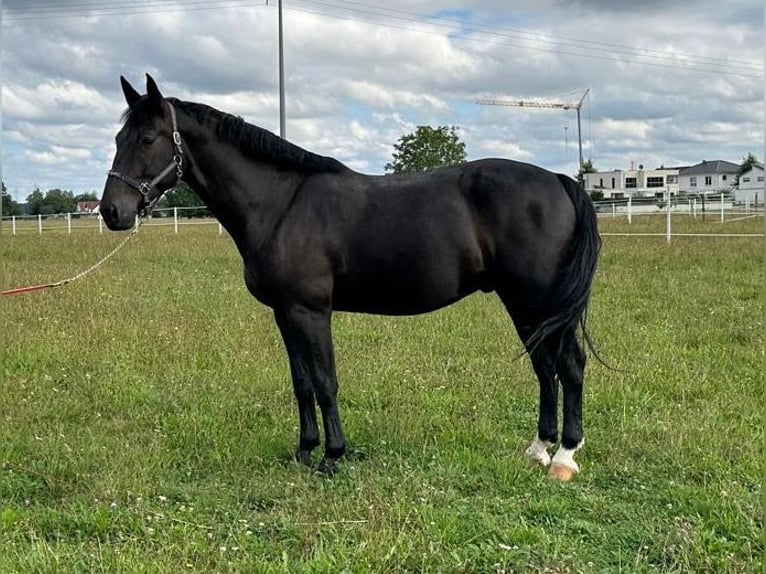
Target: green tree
x=90 y=196
x=184 y=196
x=9 y=206
x=59 y=201
x=747 y=162
x=35 y=201
x=426 y=149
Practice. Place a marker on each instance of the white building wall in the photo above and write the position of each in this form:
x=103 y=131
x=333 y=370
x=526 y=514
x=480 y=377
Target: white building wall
x=751 y=186
x=706 y=183
x=643 y=182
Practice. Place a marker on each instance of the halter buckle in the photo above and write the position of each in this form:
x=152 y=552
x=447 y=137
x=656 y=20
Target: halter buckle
x=145 y=189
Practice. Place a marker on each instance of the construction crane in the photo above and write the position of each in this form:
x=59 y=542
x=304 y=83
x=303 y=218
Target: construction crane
x=534 y=104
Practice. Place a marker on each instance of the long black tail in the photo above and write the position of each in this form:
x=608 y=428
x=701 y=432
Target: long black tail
x=573 y=287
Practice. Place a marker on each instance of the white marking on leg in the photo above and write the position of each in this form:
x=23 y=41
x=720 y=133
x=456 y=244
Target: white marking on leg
x=538 y=451
x=565 y=457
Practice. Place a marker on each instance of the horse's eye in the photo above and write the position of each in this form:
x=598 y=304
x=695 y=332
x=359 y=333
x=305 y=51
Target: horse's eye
x=147 y=140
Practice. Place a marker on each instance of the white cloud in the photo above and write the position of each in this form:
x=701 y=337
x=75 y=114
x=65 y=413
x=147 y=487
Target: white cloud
x=358 y=81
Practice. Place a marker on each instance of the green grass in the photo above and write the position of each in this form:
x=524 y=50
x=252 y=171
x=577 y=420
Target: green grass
x=148 y=419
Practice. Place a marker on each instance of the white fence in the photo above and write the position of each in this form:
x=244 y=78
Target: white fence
x=708 y=208
x=719 y=207
x=69 y=222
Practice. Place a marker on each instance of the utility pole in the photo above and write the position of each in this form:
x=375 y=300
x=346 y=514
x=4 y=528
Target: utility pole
x=281 y=77
x=559 y=105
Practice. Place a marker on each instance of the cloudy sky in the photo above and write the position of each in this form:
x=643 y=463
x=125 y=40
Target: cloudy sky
x=671 y=83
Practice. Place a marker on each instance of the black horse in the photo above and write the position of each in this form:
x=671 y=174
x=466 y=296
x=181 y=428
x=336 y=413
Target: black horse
x=316 y=236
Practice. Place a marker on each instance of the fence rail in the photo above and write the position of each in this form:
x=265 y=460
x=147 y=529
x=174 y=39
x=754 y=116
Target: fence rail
x=69 y=222
x=719 y=208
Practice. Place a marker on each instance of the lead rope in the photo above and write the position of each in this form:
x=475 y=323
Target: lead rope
x=88 y=271
x=144 y=189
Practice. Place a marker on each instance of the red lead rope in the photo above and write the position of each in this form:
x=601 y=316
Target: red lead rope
x=21 y=290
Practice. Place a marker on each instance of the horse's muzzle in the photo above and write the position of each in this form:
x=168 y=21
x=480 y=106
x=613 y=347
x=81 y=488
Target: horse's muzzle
x=119 y=215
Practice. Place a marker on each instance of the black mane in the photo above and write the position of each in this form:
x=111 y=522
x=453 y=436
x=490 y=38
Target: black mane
x=260 y=143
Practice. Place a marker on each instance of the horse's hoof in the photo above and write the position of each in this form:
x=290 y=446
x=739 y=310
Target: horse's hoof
x=538 y=457
x=328 y=467
x=561 y=473
x=303 y=457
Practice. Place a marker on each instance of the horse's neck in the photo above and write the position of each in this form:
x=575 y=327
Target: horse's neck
x=247 y=196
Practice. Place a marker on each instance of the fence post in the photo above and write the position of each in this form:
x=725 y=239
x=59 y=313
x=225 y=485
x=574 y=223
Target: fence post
x=69 y=223
x=136 y=220
x=175 y=220
x=630 y=209
x=100 y=224
x=721 y=207
x=668 y=217
x=13 y=224
x=39 y=224
x=220 y=228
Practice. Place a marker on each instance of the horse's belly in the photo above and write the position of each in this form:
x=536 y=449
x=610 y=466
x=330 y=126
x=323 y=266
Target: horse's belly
x=418 y=289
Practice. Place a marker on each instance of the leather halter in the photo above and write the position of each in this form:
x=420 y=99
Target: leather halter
x=147 y=188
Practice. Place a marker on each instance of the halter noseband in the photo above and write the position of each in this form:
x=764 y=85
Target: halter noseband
x=146 y=188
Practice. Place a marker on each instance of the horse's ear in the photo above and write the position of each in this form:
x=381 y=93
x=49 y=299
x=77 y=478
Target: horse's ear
x=131 y=95
x=152 y=90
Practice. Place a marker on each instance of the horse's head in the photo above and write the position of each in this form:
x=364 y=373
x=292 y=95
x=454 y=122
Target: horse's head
x=148 y=158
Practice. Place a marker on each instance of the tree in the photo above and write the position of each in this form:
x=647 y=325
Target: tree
x=9 y=206
x=90 y=196
x=426 y=149
x=184 y=196
x=747 y=163
x=53 y=201
x=35 y=201
x=59 y=201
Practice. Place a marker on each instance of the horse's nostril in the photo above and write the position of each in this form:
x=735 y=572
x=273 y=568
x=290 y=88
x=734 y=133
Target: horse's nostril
x=113 y=215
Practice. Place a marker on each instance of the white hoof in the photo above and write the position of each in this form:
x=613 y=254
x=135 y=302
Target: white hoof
x=538 y=452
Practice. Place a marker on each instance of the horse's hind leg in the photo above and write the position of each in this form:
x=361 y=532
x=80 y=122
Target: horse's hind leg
x=547 y=422
x=571 y=366
x=542 y=359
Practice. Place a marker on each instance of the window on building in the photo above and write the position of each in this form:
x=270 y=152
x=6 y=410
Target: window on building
x=630 y=183
x=746 y=179
x=693 y=181
x=724 y=177
x=708 y=180
x=672 y=179
x=760 y=178
x=612 y=183
x=655 y=181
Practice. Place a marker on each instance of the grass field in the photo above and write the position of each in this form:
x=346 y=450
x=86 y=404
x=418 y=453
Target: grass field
x=148 y=419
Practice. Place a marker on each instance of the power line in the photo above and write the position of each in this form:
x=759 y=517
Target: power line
x=118 y=8
x=525 y=34
x=466 y=29
x=725 y=69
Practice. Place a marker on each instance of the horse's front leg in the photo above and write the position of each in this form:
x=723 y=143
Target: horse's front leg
x=308 y=438
x=308 y=339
